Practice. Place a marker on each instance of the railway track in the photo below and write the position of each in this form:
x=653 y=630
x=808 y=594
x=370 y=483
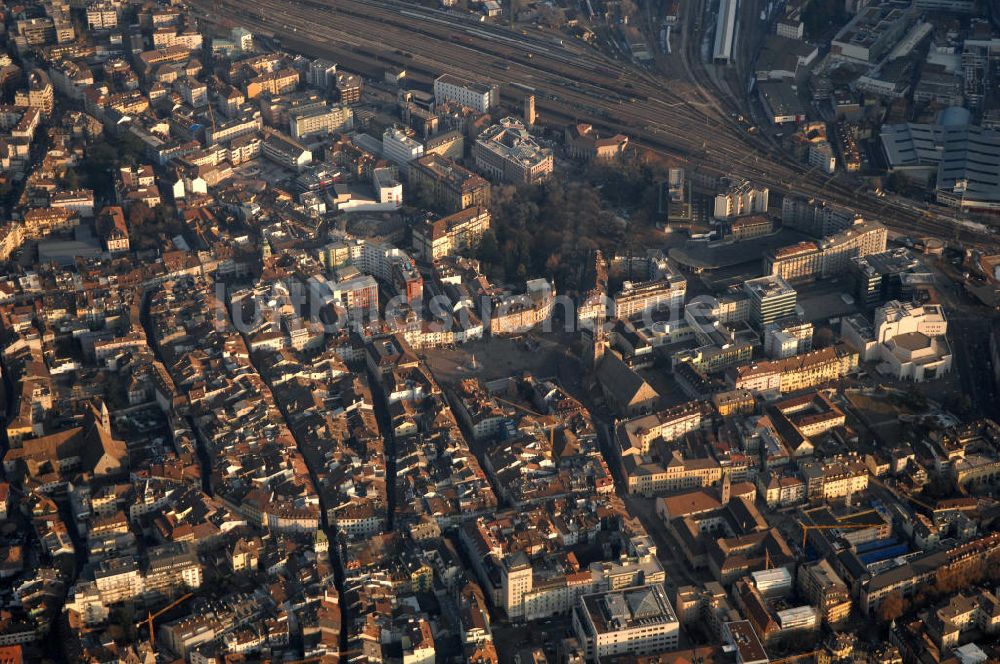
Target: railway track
x=675 y=118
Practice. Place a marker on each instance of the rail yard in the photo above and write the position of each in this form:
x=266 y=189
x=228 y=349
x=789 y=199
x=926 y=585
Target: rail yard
x=572 y=82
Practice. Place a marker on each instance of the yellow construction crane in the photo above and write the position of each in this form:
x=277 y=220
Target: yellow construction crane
x=518 y=406
x=794 y=658
x=895 y=493
x=844 y=526
x=211 y=115
x=150 y=617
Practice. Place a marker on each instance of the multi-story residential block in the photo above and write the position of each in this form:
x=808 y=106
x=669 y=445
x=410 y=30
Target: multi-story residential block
x=786 y=337
x=816 y=218
x=452 y=186
x=193 y=91
x=274 y=83
x=40 y=222
x=322 y=73
x=637 y=435
x=826 y=591
x=822 y=156
x=137 y=184
x=309 y=123
x=831 y=479
x=781 y=490
x=741 y=198
x=953 y=622
x=285 y=151
x=80 y=201
x=348 y=87
x=227 y=130
x=356 y=293
x=665 y=294
x=39 y=94
x=451 y=234
x=831 y=256
x=507 y=152
x=798 y=372
x=923 y=568
x=71 y=78
x=517 y=314
x=119 y=580
x=477 y=96
x=172 y=568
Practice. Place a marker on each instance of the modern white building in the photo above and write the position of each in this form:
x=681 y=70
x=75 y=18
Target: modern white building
x=387 y=187
x=477 y=96
x=771 y=298
x=633 y=621
x=742 y=197
x=286 y=151
x=399 y=148
x=873 y=32
x=821 y=155
x=786 y=337
x=311 y=122
x=908 y=340
x=242 y=39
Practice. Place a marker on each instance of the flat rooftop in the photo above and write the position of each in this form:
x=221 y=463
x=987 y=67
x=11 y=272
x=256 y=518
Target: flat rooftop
x=631 y=608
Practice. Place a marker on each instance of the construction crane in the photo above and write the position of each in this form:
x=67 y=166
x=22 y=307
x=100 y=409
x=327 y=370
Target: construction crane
x=518 y=406
x=795 y=658
x=900 y=498
x=211 y=115
x=844 y=526
x=150 y=617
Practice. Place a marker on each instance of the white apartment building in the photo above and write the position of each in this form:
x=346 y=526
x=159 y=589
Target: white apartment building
x=666 y=294
x=286 y=151
x=399 y=148
x=119 y=580
x=194 y=92
x=741 y=198
x=821 y=155
x=102 y=16
x=787 y=337
x=242 y=39
x=477 y=96
x=312 y=122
